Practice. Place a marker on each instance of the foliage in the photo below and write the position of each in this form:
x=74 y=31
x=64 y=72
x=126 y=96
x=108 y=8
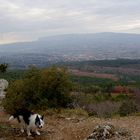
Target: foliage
x=87 y=81
x=103 y=63
x=82 y=99
x=125 y=77
x=3 y=67
x=103 y=109
x=12 y=75
x=4 y=129
x=128 y=79
x=127 y=107
x=102 y=97
x=120 y=97
x=107 y=87
x=39 y=89
x=86 y=89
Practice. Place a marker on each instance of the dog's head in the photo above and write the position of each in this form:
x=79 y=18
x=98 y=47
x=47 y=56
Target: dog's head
x=39 y=122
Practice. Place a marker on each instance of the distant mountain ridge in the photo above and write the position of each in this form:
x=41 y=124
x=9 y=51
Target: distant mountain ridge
x=72 y=47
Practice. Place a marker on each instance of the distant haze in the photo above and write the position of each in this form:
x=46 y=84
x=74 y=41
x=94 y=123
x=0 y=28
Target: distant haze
x=28 y=20
x=71 y=47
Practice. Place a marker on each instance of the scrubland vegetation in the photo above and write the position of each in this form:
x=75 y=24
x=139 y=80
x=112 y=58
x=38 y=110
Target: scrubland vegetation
x=56 y=87
x=73 y=104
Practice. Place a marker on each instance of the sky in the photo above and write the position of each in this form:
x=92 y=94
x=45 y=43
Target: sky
x=27 y=20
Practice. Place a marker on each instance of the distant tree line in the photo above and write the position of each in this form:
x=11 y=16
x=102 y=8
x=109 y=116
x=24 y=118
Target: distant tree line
x=105 y=63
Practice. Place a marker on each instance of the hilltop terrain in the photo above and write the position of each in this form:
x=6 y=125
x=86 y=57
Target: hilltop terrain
x=61 y=127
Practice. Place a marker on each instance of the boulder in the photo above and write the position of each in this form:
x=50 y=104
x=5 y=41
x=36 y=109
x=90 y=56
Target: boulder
x=3 y=85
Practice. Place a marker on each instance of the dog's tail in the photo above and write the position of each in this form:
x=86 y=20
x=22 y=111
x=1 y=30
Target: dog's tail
x=11 y=118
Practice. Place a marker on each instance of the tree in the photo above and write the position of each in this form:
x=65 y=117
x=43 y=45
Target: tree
x=3 y=67
x=39 y=89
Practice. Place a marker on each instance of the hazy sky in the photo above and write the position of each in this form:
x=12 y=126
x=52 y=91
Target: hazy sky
x=22 y=20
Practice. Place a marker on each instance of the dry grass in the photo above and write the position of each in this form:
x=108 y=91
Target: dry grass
x=62 y=127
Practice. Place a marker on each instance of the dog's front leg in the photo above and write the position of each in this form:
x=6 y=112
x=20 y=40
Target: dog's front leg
x=22 y=127
x=37 y=132
x=28 y=131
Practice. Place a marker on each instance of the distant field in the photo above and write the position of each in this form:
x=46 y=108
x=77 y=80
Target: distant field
x=93 y=74
x=123 y=71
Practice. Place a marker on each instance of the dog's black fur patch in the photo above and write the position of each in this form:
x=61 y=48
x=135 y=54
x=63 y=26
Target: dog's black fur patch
x=37 y=121
x=25 y=113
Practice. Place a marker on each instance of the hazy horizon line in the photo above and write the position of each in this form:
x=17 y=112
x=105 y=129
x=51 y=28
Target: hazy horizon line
x=63 y=34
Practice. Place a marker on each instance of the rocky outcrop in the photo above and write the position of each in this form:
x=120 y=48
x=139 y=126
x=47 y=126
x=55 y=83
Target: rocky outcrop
x=3 y=85
x=108 y=131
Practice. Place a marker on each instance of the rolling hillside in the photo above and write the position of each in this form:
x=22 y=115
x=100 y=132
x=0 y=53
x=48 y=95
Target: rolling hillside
x=73 y=47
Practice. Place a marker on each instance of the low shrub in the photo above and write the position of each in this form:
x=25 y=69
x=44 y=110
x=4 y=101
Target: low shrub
x=100 y=97
x=120 y=97
x=103 y=109
x=127 y=108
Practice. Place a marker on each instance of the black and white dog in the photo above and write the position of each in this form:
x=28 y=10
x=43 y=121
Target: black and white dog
x=28 y=120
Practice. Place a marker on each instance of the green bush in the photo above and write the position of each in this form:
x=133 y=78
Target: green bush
x=91 y=89
x=120 y=97
x=102 y=97
x=127 y=108
x=39 y=89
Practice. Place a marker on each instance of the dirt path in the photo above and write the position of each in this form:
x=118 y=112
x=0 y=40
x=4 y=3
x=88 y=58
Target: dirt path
x=61 y=128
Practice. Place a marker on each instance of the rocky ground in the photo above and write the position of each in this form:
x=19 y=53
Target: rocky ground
x=60 y=127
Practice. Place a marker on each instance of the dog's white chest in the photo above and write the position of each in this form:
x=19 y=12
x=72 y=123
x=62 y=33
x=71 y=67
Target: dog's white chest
x=32 y=121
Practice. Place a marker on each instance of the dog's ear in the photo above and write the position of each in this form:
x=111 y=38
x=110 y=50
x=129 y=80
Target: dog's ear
x=37 y=118
x=42 y=117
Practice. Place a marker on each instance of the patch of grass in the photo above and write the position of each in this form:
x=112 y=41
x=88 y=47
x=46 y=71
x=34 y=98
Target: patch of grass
x=120 y=97
x=137 y=114
x=74 y=112
x=4 y=129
